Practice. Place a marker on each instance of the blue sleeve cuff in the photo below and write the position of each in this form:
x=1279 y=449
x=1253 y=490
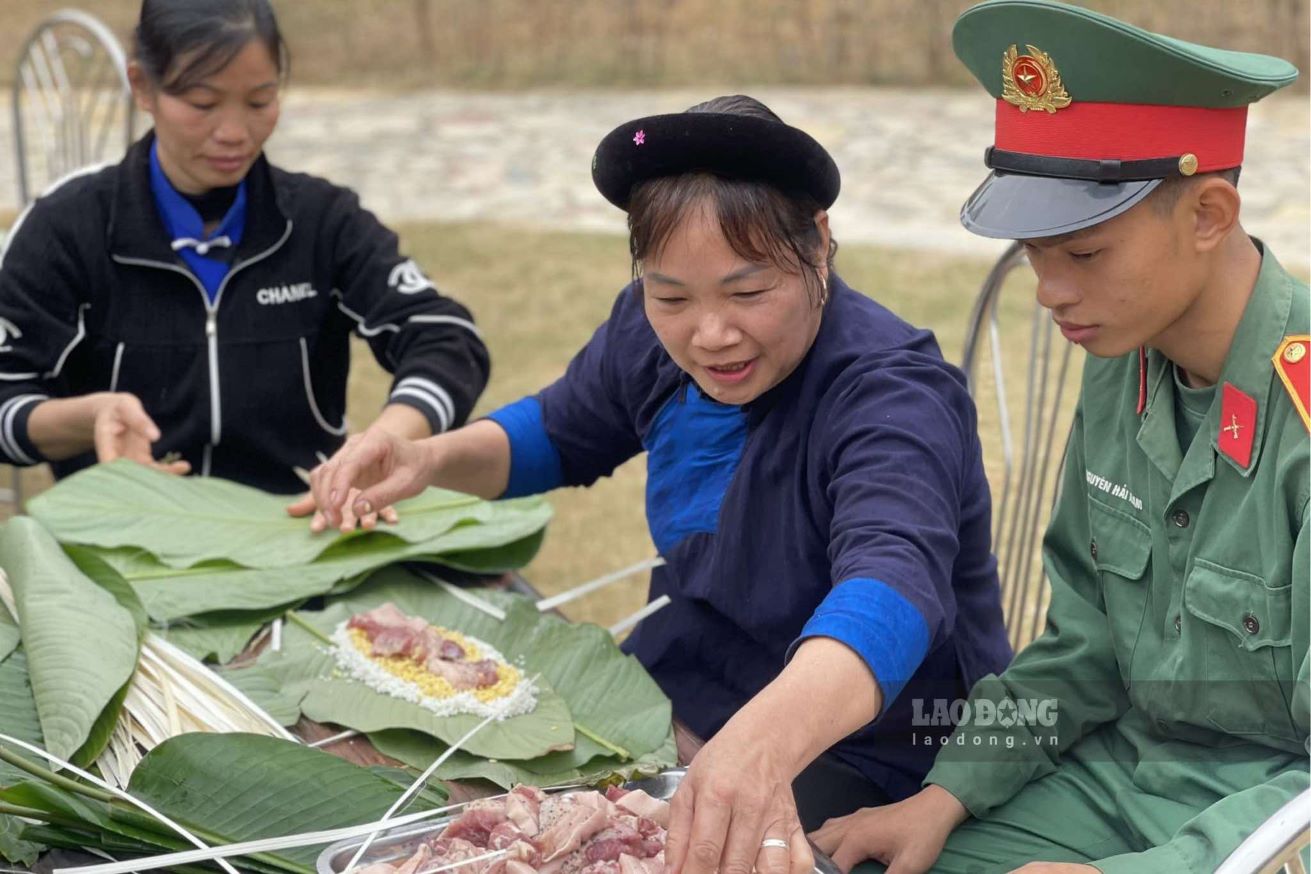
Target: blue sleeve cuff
x=535 y=465
x=878 y=623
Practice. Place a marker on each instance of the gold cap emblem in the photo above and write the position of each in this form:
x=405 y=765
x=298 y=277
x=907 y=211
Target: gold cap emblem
x=1032 y=81
x=1187 y=164
x=1295 y=352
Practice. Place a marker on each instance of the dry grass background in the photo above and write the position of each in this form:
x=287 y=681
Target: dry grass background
x=624 y=43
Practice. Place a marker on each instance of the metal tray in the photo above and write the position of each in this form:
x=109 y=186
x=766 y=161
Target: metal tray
x=396 y=845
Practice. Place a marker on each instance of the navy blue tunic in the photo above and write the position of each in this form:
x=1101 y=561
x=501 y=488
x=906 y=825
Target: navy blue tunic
x=849 y=502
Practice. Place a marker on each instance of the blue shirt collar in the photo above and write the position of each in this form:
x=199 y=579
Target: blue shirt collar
x=182 y=222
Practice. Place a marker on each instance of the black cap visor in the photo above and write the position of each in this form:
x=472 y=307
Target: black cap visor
x=1010 y=206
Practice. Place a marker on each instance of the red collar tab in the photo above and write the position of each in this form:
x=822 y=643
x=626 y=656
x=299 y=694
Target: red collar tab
x=1126 y=132
x=1237 y=425
x=1142 y=379
x=1292 y=362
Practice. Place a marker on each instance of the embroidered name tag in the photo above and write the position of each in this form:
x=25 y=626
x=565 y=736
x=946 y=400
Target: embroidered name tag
x=285 y=293
x=1115 y=490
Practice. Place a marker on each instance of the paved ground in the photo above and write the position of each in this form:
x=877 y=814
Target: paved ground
x=908 y=158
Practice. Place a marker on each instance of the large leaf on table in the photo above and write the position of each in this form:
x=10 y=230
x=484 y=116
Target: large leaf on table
x=12 y=847
x=556 y=769
x=614 y=702
x=184 y=521
x=17 y=719
x=267 y=690
x=509 y=540
x=9 y=636
x=242 y=787
x=81 y=644
x=615 y=707
x=219 y=636
x=17 y=710
x=307 y=671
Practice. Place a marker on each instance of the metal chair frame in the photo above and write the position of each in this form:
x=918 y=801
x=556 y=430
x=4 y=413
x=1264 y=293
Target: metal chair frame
x=1021 y=513
x=72 y=74
x=1277 y=844
x=70 y=100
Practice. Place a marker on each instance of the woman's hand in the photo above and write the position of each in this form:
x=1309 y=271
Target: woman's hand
x=907 y=836
x=122 y=429
x=733 y=798
x=373 y=470
x=319 y=523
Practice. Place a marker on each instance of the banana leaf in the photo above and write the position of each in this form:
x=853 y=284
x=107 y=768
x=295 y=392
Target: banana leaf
x=307 y=672
x=81 y=645
x=184 y=521
x=506 y=542
x=615 y=707
x=17 y=719
x=615 y=704
x=267 y=690
x=9 y=636
x=242 y=787
x=101 y=573
x=555 y=769
x=18 y=714
x=13 y=848
x=222 y=635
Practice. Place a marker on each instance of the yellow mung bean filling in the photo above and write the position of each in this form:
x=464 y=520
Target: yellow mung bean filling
x=431 y=685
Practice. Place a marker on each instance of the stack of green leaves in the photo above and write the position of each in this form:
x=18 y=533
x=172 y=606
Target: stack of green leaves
x=222 y=788
x=598 y=712
x=65 y=670
x=213 y=561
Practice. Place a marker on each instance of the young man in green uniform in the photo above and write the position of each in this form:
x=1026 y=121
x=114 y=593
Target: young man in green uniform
x=1163 y=715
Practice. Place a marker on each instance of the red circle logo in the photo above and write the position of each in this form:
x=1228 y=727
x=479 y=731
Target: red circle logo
x=1029 y=77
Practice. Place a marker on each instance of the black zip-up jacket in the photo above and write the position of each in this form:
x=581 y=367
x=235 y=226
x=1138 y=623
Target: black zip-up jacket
x=93 y=298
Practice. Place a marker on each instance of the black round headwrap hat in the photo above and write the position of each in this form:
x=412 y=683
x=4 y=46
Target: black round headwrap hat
x=725 y=144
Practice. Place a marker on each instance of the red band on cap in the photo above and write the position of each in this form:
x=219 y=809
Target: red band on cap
x=1126 y=132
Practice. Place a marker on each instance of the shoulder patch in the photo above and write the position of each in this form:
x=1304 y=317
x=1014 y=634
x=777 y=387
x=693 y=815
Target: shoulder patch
x=1292 y=362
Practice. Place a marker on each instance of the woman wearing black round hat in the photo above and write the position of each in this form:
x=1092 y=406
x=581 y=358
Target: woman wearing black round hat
x=194 y=301
x=814 y=485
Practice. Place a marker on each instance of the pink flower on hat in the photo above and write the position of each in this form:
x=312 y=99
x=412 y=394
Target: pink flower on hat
x=640 y=137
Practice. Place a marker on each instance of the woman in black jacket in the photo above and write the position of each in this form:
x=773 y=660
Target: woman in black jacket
x=191 y=306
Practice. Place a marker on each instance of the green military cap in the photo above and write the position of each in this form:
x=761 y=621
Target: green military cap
x=1092 y=113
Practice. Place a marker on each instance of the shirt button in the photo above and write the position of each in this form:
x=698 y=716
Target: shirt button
x=1251 y=624
x=1092 y=548
x=1180 y=519
x=1178 y=625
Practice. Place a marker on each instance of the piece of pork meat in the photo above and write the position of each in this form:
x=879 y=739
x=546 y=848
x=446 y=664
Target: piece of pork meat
x=476 y=824
x=640 y=804
x=586 y=814
x=390 y=631
x=632 y=865
x=522 y=807
x=464 y=675
x=613 y=841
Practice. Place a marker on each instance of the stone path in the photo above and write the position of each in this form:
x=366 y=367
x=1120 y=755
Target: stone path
x=908 y=158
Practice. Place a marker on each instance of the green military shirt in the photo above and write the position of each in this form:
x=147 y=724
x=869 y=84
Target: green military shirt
x=1177 y=638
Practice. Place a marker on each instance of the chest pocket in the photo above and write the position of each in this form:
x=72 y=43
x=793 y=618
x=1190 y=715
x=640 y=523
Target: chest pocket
x=1121 y=549
x=1240 y=630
